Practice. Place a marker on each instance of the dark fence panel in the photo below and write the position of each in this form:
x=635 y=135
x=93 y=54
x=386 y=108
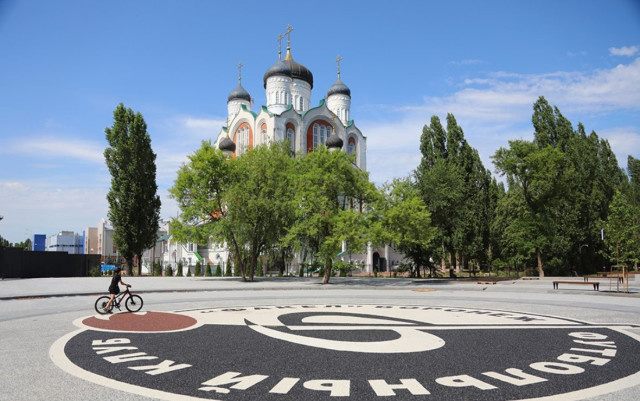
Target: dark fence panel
x=18 y=263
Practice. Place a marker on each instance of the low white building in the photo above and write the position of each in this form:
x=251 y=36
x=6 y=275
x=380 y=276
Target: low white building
x=65 y=241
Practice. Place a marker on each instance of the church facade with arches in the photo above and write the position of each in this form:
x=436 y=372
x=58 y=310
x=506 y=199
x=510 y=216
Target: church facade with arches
x=288 y=115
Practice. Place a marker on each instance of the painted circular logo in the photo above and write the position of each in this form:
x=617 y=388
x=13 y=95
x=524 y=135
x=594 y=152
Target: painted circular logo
x=355 y=352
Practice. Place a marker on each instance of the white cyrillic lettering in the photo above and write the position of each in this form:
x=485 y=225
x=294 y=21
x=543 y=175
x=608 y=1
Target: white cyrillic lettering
x=136 y=356
x=603 y=352
x=464 y=381
x=575 y=358
x=106 y=350
x=285 y=385
x=603 y=344
x=336 y=388
x=163 y=367
x=556 y=368
x=242 y=382
x=113 y=341
x=588 y=336
x=383 y=389
x=520 y=379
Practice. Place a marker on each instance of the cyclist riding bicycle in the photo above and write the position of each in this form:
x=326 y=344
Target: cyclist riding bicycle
x=114 y=288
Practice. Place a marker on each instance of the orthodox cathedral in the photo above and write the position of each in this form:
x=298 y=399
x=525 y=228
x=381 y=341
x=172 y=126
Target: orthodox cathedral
x=288 y=114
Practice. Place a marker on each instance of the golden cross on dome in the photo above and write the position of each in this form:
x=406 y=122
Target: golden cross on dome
x=240 y=65
x=338 y=60
x=288 y=33
x=280 y=37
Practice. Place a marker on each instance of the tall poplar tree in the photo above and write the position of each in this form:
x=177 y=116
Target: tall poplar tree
x=454 y=185
x=134 y=206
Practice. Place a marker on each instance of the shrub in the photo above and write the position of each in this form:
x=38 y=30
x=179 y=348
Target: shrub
x=207 y=270
x=198 y=269
x=95 y=271
x=157 y=269
x=343 y=268
x=218 y=272
x=179 y=270
x=169 y=270
x=227 y=271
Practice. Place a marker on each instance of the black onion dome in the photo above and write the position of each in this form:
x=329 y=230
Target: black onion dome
x=280 y=68
x=299 y=71
x=289 y=68
x=339 y=88
x=227 y=145
x=239 y=93
x=334 y=142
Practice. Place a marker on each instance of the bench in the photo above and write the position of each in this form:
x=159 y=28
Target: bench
x=610 y=277
x=530 y=278
x=595 y=284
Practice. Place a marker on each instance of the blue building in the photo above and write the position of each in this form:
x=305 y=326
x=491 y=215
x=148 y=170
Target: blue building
x=39 y=242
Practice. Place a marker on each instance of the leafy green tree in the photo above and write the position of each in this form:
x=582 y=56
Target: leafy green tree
x=400 y=218
x=26 y=244
x=134 y=206
x=633 y=169
x=328 y=192
x=538 y=175
x=454 y=185
x=244 y=202
x=619 y=230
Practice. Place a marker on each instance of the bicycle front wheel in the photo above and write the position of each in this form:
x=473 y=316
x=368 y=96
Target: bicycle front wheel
x=101 y=303
x=133 y=303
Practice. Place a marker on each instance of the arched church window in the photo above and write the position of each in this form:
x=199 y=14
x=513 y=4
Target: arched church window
x=263 y=134
x=301 y=105
x=291 y=138
x=316 y=135
x=277 y=97
x=243 y=139
x=351 y=147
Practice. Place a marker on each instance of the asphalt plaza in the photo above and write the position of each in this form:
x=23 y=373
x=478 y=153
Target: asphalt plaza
x=358 y=339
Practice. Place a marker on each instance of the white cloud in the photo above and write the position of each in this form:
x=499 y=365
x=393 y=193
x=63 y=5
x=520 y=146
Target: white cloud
x=48 y=148
x=624 y=141
x=495 y=109
x=623 y=51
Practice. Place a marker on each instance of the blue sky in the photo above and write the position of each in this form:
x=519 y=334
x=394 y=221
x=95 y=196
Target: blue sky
x=66 y=64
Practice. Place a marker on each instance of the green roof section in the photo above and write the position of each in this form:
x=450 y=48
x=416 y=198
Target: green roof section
x=319 y=105
x=244 y=107
x=163 y=238
x=266 y=110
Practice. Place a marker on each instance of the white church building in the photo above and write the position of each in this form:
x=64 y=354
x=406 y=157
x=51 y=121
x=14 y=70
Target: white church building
x=289 y=115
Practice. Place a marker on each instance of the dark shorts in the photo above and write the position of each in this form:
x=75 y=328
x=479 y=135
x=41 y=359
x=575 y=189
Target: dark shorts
x=114 y=291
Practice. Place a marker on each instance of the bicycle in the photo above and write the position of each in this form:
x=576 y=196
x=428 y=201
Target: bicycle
x=133 y=303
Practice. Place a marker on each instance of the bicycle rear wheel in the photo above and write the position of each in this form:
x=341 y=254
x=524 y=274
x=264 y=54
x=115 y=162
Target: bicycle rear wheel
x=101 y=303
x=133 y=303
